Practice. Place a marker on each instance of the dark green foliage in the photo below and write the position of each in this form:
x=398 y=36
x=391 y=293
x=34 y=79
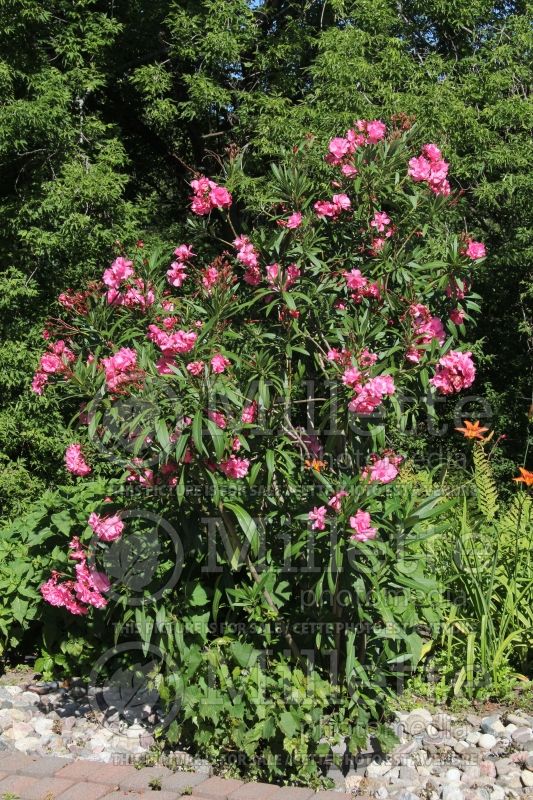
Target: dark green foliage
x=107 y=106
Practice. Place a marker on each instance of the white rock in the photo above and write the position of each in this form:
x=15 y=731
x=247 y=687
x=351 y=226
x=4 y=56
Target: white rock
x=27 y=743
x=511 y=728
x=43 y=726
x=21 y=729
x=375 y=769
x=29 y=697
x=498 y=793
x=473 y=737
x=487 y=741
x=453 y=775
x=12 y=690
x=422 y=712
x=432 y=730
x=527 y=777
x=452 y=792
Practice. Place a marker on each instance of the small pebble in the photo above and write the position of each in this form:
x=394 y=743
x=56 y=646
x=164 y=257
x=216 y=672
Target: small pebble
x=487 y=741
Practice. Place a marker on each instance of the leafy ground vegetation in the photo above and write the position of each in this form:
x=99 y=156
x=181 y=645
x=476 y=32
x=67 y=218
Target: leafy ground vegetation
x=280 y=252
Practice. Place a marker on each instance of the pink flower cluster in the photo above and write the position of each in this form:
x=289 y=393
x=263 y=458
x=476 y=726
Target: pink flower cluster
x=207 y=196
x=332 y=208
x=171 y=344
x=431 y=168
x=123 y=288
x=234 y=467
x=361 y=524
x=249 y=413
x=56 y=361
x=249 y=258
x=121 y=368
x=75 y=461
x=426 y=328
x=282 y=279
x=147 y=477
x=455 y=372
x=384 y=469
x=177 y=273
x=77 y=595
x=108 y=529
x=294 y=221
x=361 y=286
x=341 y=149
x=318 y=518
x=370 y=395
x=474 y=250
x=382 y=223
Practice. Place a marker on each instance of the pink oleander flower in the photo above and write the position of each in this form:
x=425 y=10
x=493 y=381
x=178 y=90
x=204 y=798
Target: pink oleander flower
x=318 y=517
x=219 y=363
x=196 y=368
x=218 y=418
x=375 y=131
x=380 y=221
x=62 y=595
x=367 y=359
x=173 y=343
x=177 y=274
x=342 y=202
x=382 y=471
x=349 y=171
x=184 y=252
x=120 y=270
x=355 y=280
x=351 y=377
x=249 y=413
x=339 y=148
x=432 y=152
x=246 y=254
x=455 y=372
x=108 y=529
x=370 y=396
x=475 y=250
x=40 y=379
x=324 y=208
x=335 y=502
x=252 y=276
x=457 y=316
x=120 y=368
x=361 y=524
x=294 y=221
x=431 y=168
x=207 y=196
x=235 y=467
x=75 y=461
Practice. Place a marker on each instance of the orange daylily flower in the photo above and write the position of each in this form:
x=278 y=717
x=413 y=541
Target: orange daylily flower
x=472 y=430
x=315 y=464
x=525 y=477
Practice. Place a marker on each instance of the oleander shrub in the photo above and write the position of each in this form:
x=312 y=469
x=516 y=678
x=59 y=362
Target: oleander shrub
x=243 y=396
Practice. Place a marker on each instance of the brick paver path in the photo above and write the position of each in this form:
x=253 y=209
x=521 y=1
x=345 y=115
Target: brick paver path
x=50 y=778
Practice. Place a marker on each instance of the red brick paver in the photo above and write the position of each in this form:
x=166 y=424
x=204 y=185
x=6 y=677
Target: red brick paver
x=46 y=788
x=16 y=762
x=294 y=793
x=46 y=766
x=79 y=771
x=86 y=791
x=140 y=778
x=149 y=795
x=180 y=780
x=16 y=784
x=216 y=788
x=254 y=791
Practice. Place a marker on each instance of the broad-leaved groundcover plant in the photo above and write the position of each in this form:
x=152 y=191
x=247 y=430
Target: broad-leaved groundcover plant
x=244 y=393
